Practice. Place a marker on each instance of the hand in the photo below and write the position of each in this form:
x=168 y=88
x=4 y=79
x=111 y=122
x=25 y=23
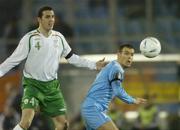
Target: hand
x=100 y=64
x=140 y=101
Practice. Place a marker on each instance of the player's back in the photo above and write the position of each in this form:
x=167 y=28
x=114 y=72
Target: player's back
x=101 y=92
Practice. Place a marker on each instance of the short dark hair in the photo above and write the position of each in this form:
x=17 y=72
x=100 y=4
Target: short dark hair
x=125 y=45
x=44 y=8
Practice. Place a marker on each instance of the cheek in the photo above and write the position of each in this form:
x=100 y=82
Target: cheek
x=124 y=61
x=45 y=24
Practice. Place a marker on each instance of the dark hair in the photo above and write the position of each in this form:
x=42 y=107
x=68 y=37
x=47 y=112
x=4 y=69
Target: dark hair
x=125 y=45
x=44 y=8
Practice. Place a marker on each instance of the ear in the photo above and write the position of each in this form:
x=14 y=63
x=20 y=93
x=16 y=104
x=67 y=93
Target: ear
x=38 y=19
x=118 y=55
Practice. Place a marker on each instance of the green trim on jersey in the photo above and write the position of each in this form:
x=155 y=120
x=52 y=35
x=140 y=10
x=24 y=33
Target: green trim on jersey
x=30 y=40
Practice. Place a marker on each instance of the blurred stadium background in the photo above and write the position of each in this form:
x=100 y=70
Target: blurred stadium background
x=98 y=27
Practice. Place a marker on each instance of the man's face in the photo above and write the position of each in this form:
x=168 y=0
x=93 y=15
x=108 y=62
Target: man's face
x=47 y=20
x=125 y=57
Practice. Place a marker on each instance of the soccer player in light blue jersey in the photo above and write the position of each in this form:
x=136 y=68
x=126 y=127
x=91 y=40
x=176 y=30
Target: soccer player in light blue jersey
x=107 y=85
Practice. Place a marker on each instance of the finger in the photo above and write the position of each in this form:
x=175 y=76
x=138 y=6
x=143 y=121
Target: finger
x=144 y=100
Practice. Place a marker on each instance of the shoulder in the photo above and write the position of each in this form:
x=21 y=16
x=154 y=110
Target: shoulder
x=111 y=66
x=56 y=33
x=115 y=65
x=116 y=69
x=31 y=34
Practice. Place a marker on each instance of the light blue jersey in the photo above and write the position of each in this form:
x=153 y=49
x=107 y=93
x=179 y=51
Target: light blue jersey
x=107 y=85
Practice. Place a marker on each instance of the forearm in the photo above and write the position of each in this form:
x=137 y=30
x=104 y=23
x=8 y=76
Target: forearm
x=121 y=93
x=81 y=62
x=7 y=65
x=17 y=56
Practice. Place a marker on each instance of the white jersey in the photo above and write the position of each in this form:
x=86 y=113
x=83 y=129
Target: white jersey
x=42 y=56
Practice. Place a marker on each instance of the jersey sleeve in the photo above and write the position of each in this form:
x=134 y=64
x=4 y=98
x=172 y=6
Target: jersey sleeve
x=19 y=54
x=81 y=62
x=119 y=92
x=66 y=47
x=75 y=59
x=116 y=78
x=115 y=74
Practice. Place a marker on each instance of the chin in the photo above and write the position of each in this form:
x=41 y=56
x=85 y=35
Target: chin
x=50 y=28
x=127 y=66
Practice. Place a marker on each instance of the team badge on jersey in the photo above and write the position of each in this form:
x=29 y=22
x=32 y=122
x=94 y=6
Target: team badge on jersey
x=55 y=40
x=56 y=45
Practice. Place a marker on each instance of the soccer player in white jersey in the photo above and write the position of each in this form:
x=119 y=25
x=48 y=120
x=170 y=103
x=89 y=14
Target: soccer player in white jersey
x=42 y=48
x=107 y=85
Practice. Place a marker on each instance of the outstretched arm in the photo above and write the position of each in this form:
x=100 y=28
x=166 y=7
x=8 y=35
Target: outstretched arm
x=122 y=94
x=81 y=62
x=116 y=78
x=17 y=56
x=119 y=91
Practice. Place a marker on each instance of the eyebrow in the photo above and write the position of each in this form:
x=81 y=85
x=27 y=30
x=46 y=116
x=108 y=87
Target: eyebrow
x=48 y=15
x=125 y=51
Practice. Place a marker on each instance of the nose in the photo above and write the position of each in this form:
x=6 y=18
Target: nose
x=52 y=19
x=130 y=57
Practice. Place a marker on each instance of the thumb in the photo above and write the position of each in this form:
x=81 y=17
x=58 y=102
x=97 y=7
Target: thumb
x=103 y=59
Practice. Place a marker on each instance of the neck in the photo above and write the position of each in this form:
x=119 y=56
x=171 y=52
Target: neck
x=124 y=67
x=46 y=33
